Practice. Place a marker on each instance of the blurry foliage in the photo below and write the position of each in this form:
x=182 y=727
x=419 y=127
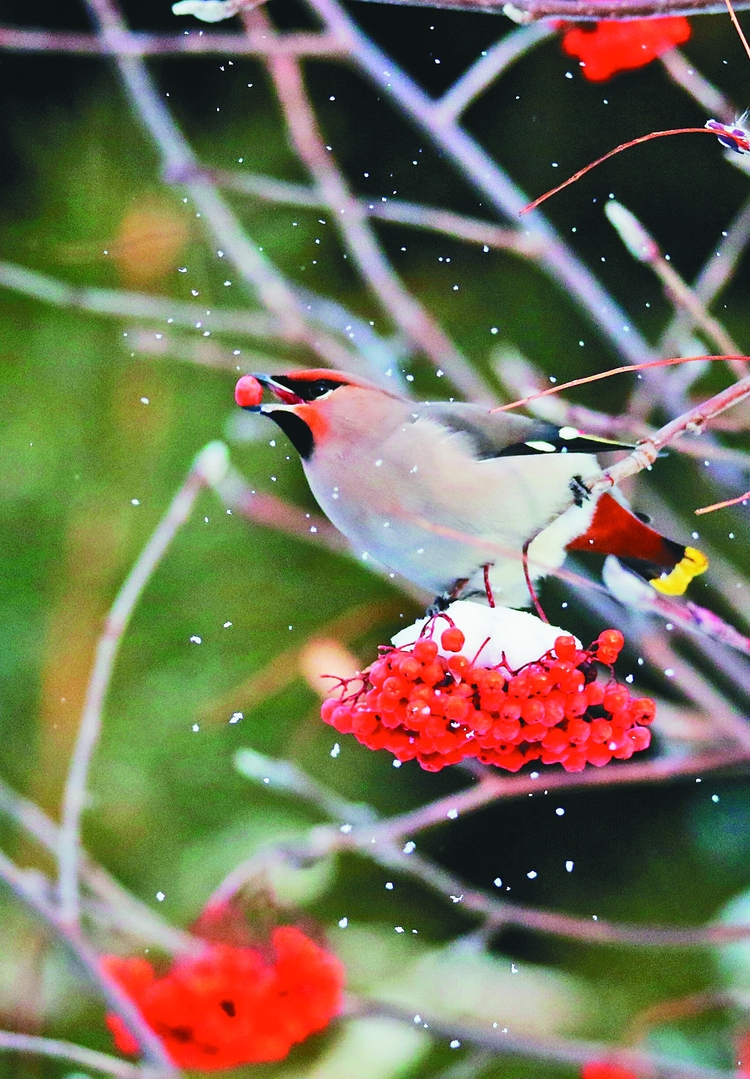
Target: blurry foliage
x=88 y=467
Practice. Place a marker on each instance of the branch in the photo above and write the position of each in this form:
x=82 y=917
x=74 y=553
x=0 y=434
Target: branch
x=72 y=1053
x=179 y=164
x=565 y=1051
x=644 y=248
x=209 y=464
x=490 y=65
x=523 y=11
x=412 y=318
x=129 y=913
x=134 y=43
x=380 y=841
x=479 y=169
x=471 y=229
x=494 y=788
x=694 y=420
x=70 y=937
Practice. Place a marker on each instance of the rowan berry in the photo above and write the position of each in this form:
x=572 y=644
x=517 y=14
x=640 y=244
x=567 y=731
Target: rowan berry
x=594 y=693
x=602 y=1069
x=458 y=665
x=432 y=673
x=425 y=651
x=452 y=639
x=409 y=667
x=565 y=648
x=598 y=754
x=532 y=710
x=616 y=697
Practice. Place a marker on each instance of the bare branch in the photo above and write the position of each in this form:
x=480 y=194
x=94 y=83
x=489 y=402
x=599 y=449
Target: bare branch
x=471 y=229
x=644 y=248
x=522 y=11
x=73 y=1054
x=694 y=420
x=490 y=65
x=192 y=43
x=351 y=221
x=480 y=170
x=179 y=165
x=28 y=890
x=565 y=1051
x=209 y=464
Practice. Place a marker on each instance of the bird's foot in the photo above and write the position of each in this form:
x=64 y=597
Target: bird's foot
x=579 y=490
x=487 y=586
x=443 y=601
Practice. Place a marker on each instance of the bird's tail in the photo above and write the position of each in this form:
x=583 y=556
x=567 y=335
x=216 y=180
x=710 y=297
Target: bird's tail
x=668 y=566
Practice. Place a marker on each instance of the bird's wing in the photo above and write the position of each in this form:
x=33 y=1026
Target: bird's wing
x=500 y=434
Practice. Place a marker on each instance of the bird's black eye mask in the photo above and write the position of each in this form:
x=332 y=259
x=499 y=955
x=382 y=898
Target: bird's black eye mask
x=308 y=389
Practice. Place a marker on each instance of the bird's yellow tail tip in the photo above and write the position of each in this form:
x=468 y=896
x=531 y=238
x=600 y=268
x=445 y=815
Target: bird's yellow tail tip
x=692 y=563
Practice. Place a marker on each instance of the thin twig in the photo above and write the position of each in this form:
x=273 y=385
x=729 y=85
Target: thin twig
x=69 y=936
x=351 y=220
x=126 y=911
x=72 y=1054
x=208 y=465
x=191 y=43
x=725 y=504
x=694 y=420
x=715 y=275
x=562 y=1051
x=522 y=11
x=684 y=74
x=461 y=226
x=179 y=164
x=490 y=65
x=480 y=170
x=496 y=788
x=644 y=248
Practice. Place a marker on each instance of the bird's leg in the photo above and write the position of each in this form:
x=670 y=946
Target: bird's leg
x=527 y=575
x=487 y=585
x=579 y=490
x=443 y=601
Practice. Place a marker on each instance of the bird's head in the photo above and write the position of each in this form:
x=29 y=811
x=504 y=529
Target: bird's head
x=306 y=397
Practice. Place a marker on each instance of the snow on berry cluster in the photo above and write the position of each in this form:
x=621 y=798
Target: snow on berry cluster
x=433 y=702
x=228 y=1006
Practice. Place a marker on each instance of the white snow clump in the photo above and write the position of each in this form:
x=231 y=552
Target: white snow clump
x=521 y=636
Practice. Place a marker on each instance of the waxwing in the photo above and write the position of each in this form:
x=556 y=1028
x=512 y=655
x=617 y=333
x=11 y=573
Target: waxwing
x=454 y=497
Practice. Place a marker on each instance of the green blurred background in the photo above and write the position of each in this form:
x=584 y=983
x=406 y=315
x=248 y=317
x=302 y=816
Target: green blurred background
x=87 y=467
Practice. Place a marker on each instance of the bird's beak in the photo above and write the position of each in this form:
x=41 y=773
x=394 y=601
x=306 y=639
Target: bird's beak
x=283 y=394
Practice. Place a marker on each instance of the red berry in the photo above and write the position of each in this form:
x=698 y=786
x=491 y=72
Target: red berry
x=642 y=710
x=594 y=693
x=601 y=1069
x=425 y=651
x=615 y=697
x=565 y=648
x=432 y=673
x=458 y=665
x=248 y=392
x=598 y=754
x=409 y=667
x=452 y=639
x=532 y=711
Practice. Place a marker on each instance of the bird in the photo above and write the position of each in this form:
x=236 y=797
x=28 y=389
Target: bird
x=458 y=499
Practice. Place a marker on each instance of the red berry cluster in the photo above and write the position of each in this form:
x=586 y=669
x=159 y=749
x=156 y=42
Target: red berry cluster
x=619 y=45
x=229 y=1006
x=436 y=710
x=601 y=1069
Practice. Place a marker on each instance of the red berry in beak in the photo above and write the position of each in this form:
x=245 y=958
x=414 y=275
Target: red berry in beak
x=248 y=392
